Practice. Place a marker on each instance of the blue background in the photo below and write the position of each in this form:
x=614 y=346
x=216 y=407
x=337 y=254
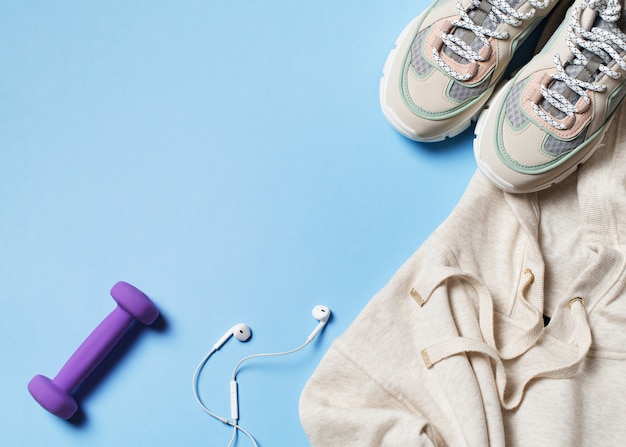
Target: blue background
x=228 y=158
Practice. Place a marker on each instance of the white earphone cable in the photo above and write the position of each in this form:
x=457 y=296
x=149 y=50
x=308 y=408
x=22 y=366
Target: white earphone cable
x=196 y=394
x=242 y=333
x=245 y=432
x=271 y=354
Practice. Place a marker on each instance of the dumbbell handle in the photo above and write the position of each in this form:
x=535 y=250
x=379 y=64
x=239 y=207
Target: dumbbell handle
x=93 y=350
x=55 y=395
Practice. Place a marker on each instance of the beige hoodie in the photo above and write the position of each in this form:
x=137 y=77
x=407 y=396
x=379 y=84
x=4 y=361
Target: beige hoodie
x=453 y=351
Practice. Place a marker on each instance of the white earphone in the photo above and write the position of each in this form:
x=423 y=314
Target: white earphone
x=321 y=313
x=240 y=331
x=243 y=333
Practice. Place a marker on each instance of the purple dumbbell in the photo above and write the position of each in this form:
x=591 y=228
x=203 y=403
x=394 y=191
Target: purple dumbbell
x=55 y=395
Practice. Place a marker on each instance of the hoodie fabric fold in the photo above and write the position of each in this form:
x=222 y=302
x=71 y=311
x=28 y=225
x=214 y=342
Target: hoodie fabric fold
x=507 y=327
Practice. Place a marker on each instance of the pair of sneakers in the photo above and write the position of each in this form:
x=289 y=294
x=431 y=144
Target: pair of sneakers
x=536 y=128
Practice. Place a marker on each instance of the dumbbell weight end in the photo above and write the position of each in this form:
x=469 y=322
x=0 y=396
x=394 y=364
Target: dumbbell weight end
x=55 y=395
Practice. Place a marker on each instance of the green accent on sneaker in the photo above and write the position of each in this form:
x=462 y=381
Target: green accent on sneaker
x=538 y=169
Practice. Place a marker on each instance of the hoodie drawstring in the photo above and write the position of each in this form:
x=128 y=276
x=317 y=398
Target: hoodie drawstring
x=509 y=399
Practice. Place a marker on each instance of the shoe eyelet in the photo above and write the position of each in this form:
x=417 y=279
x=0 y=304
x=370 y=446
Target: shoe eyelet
x=569 y=122
x=437 y=44
x=536 y=97
x=446 y=27
x=582 y=105
x=472 y=69
x=485 y=52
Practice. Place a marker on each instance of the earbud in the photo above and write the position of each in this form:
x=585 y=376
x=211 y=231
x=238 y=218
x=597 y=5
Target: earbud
x=321 y=313
x=240 y=331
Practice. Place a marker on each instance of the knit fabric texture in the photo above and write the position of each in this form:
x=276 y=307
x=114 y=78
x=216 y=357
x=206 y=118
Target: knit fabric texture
x=454 y=350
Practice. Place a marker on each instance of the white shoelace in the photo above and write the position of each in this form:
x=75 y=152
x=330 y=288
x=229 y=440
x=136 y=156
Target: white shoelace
x=500 y=11
x=598 y=41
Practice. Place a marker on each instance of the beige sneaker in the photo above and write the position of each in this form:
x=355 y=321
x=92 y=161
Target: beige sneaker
x=448 y=60
x=551 y=116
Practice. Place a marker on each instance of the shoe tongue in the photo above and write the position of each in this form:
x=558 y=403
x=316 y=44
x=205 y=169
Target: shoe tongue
x=481 y=17
x=586 y=73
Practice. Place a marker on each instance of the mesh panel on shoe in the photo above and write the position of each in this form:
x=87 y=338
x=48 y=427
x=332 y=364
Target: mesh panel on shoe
x=555 y=147
x=418 y=63
x=514 y=112
x=462 y=92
